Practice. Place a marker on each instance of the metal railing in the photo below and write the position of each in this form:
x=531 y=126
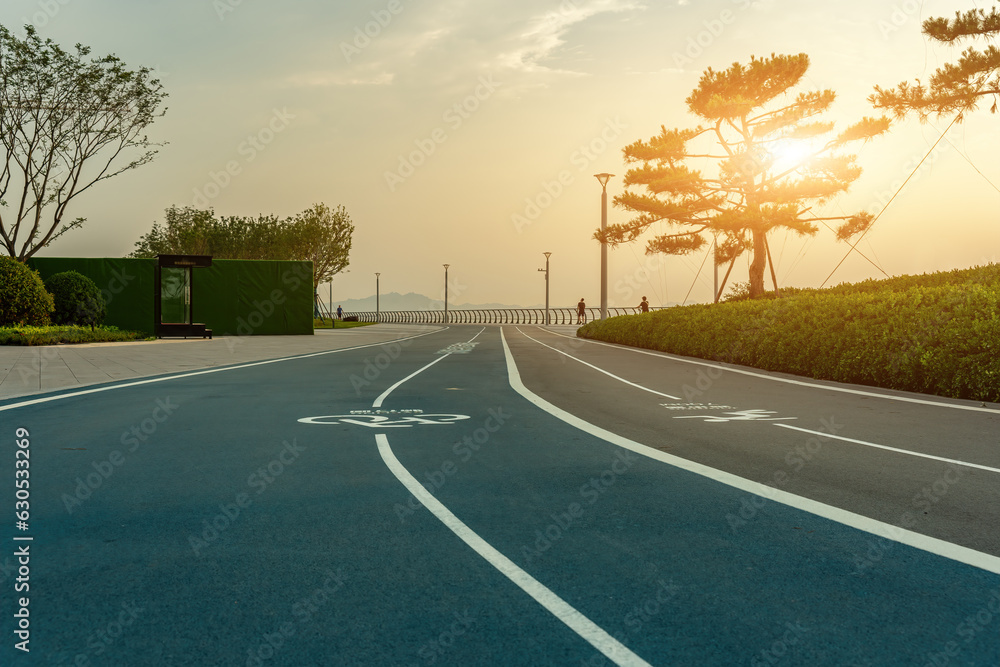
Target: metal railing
x=486 y=316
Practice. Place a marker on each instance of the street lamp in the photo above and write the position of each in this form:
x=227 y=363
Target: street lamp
x=446 y=292
x=603 y=179
x=376 y=297
x=546 y=270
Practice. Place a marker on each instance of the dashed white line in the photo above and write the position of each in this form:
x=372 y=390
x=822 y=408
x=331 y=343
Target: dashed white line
x=933 y=545
x=774 y=378
x=891 y=449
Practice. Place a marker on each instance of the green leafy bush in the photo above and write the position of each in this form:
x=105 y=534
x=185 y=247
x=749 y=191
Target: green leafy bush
x=54 y=335
x=937 y=334
x=77 y=299
x=23 y=299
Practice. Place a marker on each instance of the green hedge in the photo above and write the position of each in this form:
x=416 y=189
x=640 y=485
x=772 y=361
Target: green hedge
x=936 y=334
x=54 y=335
x=23 y=299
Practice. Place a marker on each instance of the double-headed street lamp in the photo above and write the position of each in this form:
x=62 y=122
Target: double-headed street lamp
x=376 y=297
x=446 y=292
x=546 y=270
x=603 y=179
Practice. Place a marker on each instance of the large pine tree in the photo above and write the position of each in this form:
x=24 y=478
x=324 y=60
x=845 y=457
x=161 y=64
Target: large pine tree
x=773 y=162
x=956 y=87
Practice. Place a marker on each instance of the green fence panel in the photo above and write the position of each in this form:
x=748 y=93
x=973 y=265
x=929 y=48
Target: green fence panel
x=261 y=297
x=127 y=286
x=233 y=297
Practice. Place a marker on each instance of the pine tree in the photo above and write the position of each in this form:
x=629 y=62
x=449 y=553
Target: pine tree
x=955 y=87
x=774 y=162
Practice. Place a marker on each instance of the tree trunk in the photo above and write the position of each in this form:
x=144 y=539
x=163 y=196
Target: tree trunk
x=758 y=264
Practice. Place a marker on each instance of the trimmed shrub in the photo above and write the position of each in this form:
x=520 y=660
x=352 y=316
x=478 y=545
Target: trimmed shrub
x=936 y=334
x=23 y=299
x=77 y=299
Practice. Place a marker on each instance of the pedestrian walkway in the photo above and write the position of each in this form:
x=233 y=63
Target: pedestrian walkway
x=36 y=369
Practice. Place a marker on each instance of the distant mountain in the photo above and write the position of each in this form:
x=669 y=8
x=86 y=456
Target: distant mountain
x=412 y=301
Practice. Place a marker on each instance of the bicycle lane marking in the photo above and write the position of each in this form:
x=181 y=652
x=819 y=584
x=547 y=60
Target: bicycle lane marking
x=589 y=631
x=762 y=415
x=932 y=545
x=774 y=378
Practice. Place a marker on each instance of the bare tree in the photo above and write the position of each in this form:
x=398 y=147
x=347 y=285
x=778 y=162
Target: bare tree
x=66 y=124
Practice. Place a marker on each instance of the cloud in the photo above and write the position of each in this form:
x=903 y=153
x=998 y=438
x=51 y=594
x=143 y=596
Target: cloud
x=545 y=33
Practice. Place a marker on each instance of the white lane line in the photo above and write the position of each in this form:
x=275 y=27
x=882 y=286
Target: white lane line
x=933 y=545
x=385 y=394
x=555 y=605
x=800 y=383
x=85 y=392
x=580 y=624
x=612 y=375
x=891 y=449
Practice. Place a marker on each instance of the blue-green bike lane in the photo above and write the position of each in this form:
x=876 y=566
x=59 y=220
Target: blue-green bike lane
x=248 y=517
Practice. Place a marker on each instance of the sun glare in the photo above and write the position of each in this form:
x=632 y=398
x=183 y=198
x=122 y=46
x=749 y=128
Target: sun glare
x=789 y=154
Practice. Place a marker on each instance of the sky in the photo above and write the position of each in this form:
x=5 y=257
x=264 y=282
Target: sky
x=467 y=132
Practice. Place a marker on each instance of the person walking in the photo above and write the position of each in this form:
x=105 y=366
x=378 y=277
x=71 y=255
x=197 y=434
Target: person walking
x=581 y=312
x=340 y=312
x=644 y=306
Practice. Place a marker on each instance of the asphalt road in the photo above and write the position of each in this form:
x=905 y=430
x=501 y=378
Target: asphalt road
x=501 y=497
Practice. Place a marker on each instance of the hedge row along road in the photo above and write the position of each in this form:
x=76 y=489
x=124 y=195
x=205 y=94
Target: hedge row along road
x=502 y=495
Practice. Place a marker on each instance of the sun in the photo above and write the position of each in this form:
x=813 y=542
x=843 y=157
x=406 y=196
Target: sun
x=789 y=154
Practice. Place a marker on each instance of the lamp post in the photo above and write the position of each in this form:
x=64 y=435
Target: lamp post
x=446 y=292
x=603 y=179
x=546 y=270
x=377 y=319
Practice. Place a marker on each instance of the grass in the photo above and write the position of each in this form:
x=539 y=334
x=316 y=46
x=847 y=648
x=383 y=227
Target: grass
x=56 y=335
x=937 y=334
x=337 y=324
